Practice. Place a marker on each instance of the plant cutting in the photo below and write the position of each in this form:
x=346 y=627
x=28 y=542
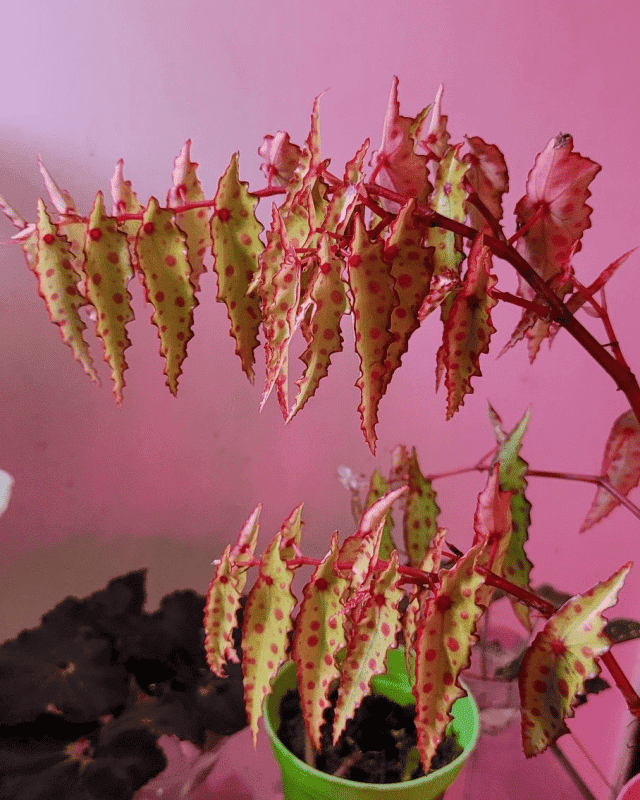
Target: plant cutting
x=408 y=234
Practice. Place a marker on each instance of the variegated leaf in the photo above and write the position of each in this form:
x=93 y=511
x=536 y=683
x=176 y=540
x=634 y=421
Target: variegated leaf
x=125 y=201
x=266 y=624
x=411 y=270
x=443 y=645
x=421 y=514
x=434 y=137
x=194 y=223
x=378 y=487
x=60 y=198
x=58 y=287
x=162 y=258
x=620 y=467
x=373 y=301
x=281 y=158
x=345 y=198
x=236 y=246
x=220 y=610
x=560 y=659
x=291 y=533
x=377 y=626
x=329 y=303
x=108 y=272
x=318 y=636
x=489 y=177
x=242 y=551
x=468 y=327
x=448 y=198
x=513 y=470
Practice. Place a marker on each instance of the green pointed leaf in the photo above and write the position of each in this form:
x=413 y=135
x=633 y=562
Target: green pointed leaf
x=378 y=487
x=280 y=315
x=329 y=303
x=448 y=198
x=291 y=532
x=421 y=514
x=319 y=636
x=266 y=624
x=443 y=645
x=60 y=198
x=378 y=623
x=58 y=287
x=468 y=327
x=373 y=300
x=513 y=469
x=220 y=610
x=194 y=223
x=560 y=659
x=125 y=201
x=242 y=551
x=411 y=270
x=235 y=232
x=162 y=257
x=108 y=272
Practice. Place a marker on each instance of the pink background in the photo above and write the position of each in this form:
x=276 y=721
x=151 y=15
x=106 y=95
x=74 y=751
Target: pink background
x=165 y=482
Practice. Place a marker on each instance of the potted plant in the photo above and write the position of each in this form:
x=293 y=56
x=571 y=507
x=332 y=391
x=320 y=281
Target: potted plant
x=413 y=236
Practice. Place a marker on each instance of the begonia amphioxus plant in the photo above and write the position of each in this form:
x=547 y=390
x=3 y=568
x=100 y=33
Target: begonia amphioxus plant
x=409 y=230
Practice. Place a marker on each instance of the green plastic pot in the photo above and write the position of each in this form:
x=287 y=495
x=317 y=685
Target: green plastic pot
x=302 y=782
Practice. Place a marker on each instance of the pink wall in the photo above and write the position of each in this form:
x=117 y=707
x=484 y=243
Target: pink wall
x=100 y=489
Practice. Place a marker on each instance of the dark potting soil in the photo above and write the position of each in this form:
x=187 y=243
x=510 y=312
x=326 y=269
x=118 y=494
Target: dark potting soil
x=379 y=744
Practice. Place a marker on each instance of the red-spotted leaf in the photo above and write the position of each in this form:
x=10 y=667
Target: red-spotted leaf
x=66 y=208
x=221 y=606
x=378 y=487
x=194 y=223
x=58 y=287
x=421 y=514
x=449 y=199
x=281 y=158
x=280 y=314
x=376 y=628
x=125 y=201
x=443 y=645
x=620 y=467
x=346 y=196
x=373 y=301
x=108 y=272
x=236 y=245
x=555 y=207
x=492 y=524
x=318 y=636
x=329 y=303
x=266 y=623
x=411 y=270
x=396 y=165
x=489 y=178
x=516 y=566
x=242 y=551
x=560 y=659
x=468 y=327
x=162 y=258
x=291 y=533
x=434 y=137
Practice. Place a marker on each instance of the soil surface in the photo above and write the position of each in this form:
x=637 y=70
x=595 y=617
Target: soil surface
x=378 y=745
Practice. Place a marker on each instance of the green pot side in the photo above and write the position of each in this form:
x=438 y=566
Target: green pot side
x=302 y=782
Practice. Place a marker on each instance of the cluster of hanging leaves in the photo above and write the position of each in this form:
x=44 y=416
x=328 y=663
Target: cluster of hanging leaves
x=354 y=607
x=363 y=245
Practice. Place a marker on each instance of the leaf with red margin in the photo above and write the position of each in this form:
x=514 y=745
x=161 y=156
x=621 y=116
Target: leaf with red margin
x=60 y=198
x=373 y=301
x=513 y=470
x=489 y=177
x=329 y=303
x=376 y=628
x=396 y=165
x=561 y=657
x=220 y=609
x=421 y=514
x=27 y=235
x=449 y=199
x=435 y=138
x=108 y=272
x=492 y=524
x=281 y=158
x=443 y=645
x=468 y=328
x=242 y=551
x=291 y=532
x=281 y=313
x=557 y=190
x=620 y=467
x=378 y=487
x=345 y=198
x=583 y=293
x=411 y=270
x=265 y=628
x=194 y=223
x=318 y=637
x=162 y=258
x=58 y=287
x=236 y=246
x=125 y=201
